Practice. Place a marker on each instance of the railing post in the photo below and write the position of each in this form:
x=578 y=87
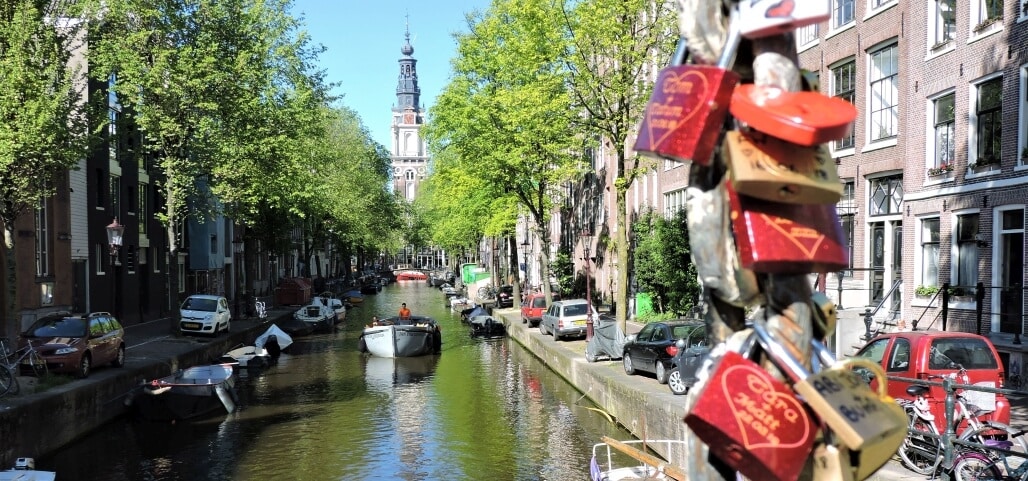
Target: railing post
x=979 y=298
x=947 y=437
x=945 y=304
x=867 y=323
x=838 y=277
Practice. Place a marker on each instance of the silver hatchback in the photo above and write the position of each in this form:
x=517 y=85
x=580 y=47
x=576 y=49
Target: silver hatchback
x=567 y=318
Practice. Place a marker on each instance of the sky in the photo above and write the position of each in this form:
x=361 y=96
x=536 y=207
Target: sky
x=363 y=40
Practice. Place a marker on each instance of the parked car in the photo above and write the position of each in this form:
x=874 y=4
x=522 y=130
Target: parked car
x=928 y=355
x=204 y=314
x=686 y=363
x=533 y=307
x=652 y=348
x=505 y=297
x=567 y=318
x=76 y=344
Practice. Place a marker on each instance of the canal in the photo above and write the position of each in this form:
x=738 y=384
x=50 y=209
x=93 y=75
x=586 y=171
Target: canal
x=481 y=410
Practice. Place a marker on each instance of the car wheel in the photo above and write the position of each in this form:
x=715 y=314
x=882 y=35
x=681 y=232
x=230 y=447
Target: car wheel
x=119 y=359
x=676 y=383
x=661 y=371
x=542 y=329
x=627 y=361
x=556 y=336
x=85 y=365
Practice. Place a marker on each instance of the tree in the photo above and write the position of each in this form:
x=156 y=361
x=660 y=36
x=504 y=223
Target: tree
x=506 y=116
x=615 y=46
x=663 y=266
x=43 y=121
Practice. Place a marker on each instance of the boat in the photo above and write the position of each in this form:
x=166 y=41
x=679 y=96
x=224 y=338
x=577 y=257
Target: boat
x=395 y=337
x=336 y=304
x=296 y=328
x=274 y=340
x=25 y=470
x=247 y=356
x=411 y=276
x=450 y=291
x=459 y=303
x=615 y=460
x=321 y=317
x=486 y=326
x=354 y=297
x=192 y=393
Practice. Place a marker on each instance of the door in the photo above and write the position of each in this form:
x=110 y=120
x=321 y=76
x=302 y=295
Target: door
x=897 y=263
x=1011 y=271
x=877 y=262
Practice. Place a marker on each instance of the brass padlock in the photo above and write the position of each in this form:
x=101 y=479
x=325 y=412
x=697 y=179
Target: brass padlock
x=749 y=420
x=860 y=417
x=767 y=168
x=689 y=105
x=832 y=462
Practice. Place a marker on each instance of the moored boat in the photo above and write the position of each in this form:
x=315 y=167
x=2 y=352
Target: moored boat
x=336 y=304
x=614 y=460
x=411 y=276
x=395 y=337
x=321 y=317
x=248 y=356
x=274 y=340
x=192 y=393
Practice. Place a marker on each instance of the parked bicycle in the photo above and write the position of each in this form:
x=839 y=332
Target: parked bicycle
x=13 y=360
x=993 y=464
x=260 y=308
x=923 y=449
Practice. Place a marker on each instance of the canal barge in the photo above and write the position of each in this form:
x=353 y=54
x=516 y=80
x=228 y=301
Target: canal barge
x=395 y=337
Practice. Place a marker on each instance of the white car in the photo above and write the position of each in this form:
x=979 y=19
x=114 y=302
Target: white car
x=204 y=314
x=567 y=318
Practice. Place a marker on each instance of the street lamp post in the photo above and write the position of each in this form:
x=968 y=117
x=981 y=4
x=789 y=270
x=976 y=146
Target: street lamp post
x=237 y=249
x=115 y=238
x=587 y=236
x=525 y=245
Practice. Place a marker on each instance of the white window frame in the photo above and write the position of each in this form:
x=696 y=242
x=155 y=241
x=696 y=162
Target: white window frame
x=932 y=148
x=955 y=255
x=807 y=36
x=972 y=124
x=890 y=82
x=1022 y=119
x=920 y=259
x=937 y=41
x=100 y=252
x=839 y=152
x=837 y=8
x=978 y=17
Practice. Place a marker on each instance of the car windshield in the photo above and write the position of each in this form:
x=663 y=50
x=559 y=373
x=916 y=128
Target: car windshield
x=194 y=304
x=971 y=353
x=575 y=309
x=59 y=327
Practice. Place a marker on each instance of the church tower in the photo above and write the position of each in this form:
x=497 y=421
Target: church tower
x=409 y=153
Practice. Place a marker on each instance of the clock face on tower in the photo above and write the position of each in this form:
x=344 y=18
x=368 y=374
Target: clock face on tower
x=408 y=118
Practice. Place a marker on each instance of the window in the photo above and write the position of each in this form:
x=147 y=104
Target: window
x=930 y=252
x=847 y=232
x=115 y=195
x=842 y=12
x=886 y=195
x=144 y=214
x=967 y=252
x=989 y=124
x=884 y=92
x=101 y=197
x=844 y=87
x=945 y=22
x=986 y=14
x=100 y=257
x=42 y=219
x=806 y=35
x=945 y=147
x=900 y=360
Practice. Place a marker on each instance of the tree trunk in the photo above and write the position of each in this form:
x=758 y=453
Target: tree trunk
x=12 y=327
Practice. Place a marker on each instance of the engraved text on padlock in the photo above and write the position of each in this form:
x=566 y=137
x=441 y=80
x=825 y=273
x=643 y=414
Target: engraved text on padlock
x=767 y=168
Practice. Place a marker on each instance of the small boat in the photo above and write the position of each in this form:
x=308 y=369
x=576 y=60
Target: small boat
x=487 y=327
x=248 y=356
x=318 y=315
x=614 y=460
x=395 y=337
x=296 y=328
x=450 y=291
x=274 y=340
x=192 y=393
x=459 y=303
x=411 y=276
x=336 y=304
x=354 y=297
x=25 y=470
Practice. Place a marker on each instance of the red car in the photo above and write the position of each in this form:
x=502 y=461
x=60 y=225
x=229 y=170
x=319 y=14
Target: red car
x=533 y=307
x=927 y=355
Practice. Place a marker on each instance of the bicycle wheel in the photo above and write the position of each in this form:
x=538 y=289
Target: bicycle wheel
x=37 y=363
x=8 y=381
x=974 y=466
x=989 y=429
x=920 y=453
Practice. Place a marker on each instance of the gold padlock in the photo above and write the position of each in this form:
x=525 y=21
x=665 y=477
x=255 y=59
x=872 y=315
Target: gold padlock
x=831 y=463
x=861 y=418
x=768 y=168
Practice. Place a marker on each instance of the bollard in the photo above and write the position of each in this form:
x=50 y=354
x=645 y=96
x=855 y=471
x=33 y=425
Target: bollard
x=867 y=324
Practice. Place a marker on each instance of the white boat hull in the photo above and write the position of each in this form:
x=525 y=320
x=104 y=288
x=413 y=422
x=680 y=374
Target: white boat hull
x=402 y=340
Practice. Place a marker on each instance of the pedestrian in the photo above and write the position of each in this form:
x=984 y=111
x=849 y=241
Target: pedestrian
x=404 y=312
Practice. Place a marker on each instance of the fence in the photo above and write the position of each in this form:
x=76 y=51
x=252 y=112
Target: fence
x=1009 y=300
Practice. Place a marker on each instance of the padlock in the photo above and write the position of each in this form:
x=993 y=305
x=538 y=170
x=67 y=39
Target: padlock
x=713 y=250
x=749 y=420
x=762 y=18
x=787 y=238
x=832 y=462
x=767 y=168
x=872 y=457
x=689 y=104
x=860 y=417
x=802 y=118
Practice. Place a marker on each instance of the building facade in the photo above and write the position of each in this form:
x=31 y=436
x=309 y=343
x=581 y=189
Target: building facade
x=409 y=152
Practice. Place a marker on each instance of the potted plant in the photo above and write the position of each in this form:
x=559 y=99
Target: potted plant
x=926 y=291
x=940 y=170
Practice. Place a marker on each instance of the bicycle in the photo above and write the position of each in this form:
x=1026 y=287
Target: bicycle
x=261 y=308
x=27 y=356
x=922 y=450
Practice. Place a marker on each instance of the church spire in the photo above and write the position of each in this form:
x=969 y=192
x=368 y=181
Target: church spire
x=407 y=91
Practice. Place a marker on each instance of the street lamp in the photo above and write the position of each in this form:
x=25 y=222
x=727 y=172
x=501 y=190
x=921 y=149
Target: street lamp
x=115 y=238
x=525 y=245
x=237 y=250
x=587 y=235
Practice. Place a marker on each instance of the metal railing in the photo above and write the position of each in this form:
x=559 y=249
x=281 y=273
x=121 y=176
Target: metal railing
x=1011 y=306
x=869 y=313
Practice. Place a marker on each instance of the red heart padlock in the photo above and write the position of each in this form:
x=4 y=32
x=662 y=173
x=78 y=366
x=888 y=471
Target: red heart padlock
x=752 y=421
x=786 y=238
x=689 y=104
x=803 y=118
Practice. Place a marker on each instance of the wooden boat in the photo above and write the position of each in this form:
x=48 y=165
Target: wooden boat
x=25 y=470
x=614 y=460
x=192 y=393
x=395 y=337
x=318 y=315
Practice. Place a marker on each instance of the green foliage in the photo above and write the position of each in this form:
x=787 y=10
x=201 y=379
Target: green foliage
x=926 y=291
x=564 y=271
x=663 y=266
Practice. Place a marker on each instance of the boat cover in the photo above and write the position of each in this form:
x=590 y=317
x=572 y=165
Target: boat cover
x=284 y=340
x=608 y=340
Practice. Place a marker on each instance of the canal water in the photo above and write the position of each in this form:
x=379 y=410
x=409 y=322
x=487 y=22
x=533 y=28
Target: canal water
x=480 y=410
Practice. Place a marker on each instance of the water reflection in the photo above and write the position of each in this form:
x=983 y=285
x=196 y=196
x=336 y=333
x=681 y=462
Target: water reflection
x=478 y=411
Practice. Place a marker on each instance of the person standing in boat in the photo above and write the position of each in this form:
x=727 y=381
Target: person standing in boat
x=404 y=312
